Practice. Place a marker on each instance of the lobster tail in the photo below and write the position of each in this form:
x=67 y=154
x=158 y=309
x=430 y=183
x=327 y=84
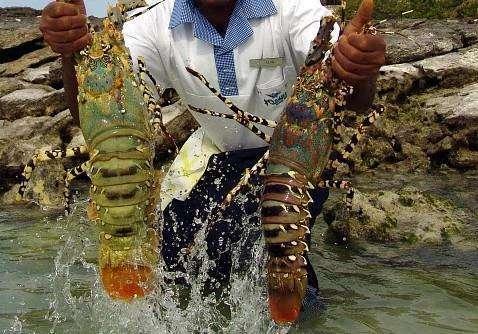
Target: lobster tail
x=285 y=219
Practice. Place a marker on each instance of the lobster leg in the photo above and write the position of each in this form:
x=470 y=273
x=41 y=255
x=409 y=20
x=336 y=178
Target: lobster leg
x=70 y=175
x=340 y=184
x=154 y=108
x=357 y=135
x=258 y=168
x=43 y=157
x=261 y=134
x=241 y=114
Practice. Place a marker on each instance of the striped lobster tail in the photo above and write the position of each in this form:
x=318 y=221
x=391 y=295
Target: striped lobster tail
x=299 y=151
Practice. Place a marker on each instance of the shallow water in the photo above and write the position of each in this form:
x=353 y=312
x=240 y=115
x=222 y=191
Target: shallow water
x=49 y=282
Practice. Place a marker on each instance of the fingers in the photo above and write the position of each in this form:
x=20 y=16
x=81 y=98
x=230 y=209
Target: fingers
x=363 y=16
x=366 y=43
x=359 y=54
x=368 y=70
x=65 y=36
x=64 y=26
x=349 y=77
x=63 y=23
x=58 y=9
x=70 y=47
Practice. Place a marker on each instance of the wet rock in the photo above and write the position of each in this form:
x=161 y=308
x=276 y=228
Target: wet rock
x=32 y=102
x=408 y=215
x=45 y=188
x=32 y=59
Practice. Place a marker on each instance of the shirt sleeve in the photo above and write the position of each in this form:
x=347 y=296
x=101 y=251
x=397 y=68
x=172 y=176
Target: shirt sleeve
x=140 y=36
x=303 y=22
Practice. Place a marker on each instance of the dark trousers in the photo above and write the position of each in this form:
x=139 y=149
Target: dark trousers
x=183 y=219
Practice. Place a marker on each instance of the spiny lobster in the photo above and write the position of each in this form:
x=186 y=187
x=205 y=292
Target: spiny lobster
x=119 y=119
x=304 y=153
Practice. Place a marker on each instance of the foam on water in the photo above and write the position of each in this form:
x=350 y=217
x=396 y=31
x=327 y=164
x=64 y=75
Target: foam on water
x=182 y=308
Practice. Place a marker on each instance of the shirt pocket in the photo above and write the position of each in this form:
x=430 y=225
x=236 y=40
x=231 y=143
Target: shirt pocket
x=272 y=97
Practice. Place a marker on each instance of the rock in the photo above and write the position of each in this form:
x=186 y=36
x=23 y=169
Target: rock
x=397 y=80
x=20 y=138
x=415 y=161
x=377 y=151
x=38 y=75
x=408 y=215
x=468 y=30
x=77 y=137
x=464 y=159
x=8 y=85
x=418 y=39
x=32 y=59
x=453 y=69
x=19 y=28
x=49 y=74
x=457 y=108
x=55 y=71
x=45 y=188
x=32 y=102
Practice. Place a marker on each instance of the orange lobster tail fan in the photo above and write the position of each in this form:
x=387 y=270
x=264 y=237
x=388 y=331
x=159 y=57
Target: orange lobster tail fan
x=127 y=281
x=284 y=307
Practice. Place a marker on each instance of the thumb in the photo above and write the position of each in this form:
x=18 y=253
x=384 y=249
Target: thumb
x=363 y=16
x=79 y=3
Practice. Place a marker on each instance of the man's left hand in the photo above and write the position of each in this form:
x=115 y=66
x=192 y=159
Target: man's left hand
x=358 y=57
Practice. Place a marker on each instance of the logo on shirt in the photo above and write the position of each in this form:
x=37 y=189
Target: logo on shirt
x=275 y=99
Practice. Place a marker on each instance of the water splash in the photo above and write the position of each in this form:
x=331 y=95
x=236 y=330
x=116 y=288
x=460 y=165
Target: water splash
x=239 y=307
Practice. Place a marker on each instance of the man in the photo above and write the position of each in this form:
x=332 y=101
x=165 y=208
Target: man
x=228 y=41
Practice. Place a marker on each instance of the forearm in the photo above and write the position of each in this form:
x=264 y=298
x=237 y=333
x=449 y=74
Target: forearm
x=71 y=86
x=363 y=95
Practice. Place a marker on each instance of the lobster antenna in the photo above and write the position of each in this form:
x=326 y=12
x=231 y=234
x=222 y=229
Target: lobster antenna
x=343 y=6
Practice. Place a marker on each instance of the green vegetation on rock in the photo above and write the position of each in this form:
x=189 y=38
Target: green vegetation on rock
x=421 y=8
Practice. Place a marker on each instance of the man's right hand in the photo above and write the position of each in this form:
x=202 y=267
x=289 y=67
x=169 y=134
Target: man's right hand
x=64 y=26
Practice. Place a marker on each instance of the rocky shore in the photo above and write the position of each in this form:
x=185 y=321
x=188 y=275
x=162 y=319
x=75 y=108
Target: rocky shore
x=429 y=86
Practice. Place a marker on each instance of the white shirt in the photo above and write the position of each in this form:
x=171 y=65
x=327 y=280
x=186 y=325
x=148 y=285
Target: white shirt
x=285 y=35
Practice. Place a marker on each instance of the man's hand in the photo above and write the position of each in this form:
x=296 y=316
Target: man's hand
x=358 y=57
x=64 y=26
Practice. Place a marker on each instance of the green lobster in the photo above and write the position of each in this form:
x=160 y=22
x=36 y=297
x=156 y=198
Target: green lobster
x=119 y=119
x=304 y=153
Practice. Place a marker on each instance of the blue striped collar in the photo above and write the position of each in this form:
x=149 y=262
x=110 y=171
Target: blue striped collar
x=239 y=29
